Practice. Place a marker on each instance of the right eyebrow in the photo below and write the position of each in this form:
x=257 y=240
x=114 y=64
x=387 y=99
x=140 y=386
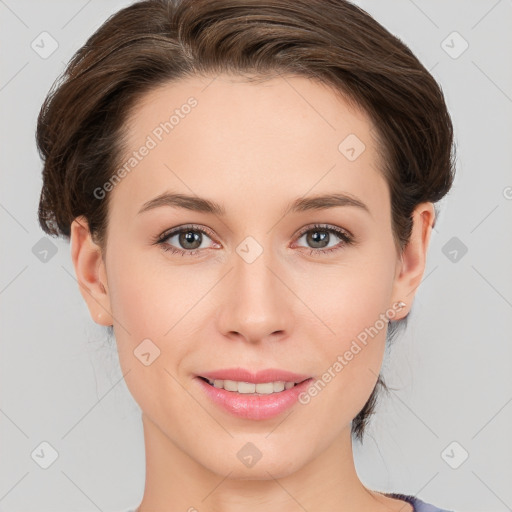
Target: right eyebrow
x=184 y=201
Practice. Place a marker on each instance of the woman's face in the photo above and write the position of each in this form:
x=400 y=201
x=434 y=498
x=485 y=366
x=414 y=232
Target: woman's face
x=254 y=285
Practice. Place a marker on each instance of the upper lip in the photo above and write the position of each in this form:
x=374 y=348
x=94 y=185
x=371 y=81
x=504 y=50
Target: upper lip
x=243 y=375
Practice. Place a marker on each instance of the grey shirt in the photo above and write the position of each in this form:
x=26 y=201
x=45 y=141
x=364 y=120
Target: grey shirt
x=417 y=504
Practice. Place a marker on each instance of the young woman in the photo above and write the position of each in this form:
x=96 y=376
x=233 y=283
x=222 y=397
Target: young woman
x=249 y=189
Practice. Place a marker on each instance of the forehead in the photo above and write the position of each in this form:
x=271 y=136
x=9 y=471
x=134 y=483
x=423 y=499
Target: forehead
x=287 y=133
x=297 y=105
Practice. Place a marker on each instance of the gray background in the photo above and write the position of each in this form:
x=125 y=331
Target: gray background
x=451 y=370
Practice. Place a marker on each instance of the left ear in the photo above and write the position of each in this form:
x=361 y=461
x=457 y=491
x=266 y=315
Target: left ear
x=411 y=266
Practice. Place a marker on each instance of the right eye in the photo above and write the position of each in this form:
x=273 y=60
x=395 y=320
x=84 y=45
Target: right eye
x=190 y=238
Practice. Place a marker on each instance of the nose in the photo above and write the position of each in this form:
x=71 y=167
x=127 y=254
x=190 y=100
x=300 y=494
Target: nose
x=256 y=303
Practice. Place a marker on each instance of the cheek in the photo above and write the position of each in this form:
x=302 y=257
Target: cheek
x=150 y=304
x=151 y=300
x=359 y=315
x=145 y=298
x=352 y=300
x=354 y=296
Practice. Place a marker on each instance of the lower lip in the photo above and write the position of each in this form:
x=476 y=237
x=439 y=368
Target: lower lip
x=254 y=407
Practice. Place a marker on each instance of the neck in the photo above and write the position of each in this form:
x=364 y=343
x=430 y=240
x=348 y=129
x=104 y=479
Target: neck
x=175 y=481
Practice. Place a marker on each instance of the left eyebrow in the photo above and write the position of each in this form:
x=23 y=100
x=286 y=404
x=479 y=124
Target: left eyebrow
x=323 y=202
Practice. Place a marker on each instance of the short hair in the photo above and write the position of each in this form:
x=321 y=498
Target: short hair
x=82 y=123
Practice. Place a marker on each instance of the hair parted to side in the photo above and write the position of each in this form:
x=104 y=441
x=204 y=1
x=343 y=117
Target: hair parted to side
x=81 y=125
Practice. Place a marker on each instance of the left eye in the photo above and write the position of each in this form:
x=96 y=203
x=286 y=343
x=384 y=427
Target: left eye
x=320 y=236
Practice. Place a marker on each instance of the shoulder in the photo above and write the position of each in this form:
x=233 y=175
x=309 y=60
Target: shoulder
x=418 y=505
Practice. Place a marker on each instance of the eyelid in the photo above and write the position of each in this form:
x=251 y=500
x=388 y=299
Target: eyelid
x=327 y=227
x=168 y=233
x=192 y=227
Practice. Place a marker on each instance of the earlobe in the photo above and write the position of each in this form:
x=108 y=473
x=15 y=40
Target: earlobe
x=90 y=272
x=411 y=267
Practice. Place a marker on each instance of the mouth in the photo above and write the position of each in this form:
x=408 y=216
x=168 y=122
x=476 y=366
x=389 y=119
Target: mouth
x=252 y=388
x=249 y=396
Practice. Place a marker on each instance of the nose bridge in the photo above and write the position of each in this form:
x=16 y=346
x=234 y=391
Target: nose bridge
x=258 y=303
x=253 y=277
x=252 y=269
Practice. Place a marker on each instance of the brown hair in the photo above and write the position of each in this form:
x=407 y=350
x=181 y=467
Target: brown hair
x=82 y=122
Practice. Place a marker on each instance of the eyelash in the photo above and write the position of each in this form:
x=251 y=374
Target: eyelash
x=346 y=237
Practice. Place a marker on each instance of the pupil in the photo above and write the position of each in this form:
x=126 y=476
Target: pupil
x=323 y=235
x=189 y=237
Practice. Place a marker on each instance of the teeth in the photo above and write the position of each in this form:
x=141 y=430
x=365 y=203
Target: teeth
x=264 y=388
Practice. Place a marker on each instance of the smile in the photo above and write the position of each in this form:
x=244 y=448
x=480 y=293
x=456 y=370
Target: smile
x=259 y=400
x=263 y=388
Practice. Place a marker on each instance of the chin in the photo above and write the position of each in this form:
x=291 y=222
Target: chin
x=246 y=462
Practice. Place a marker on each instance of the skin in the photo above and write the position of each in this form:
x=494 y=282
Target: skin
x=253 y=148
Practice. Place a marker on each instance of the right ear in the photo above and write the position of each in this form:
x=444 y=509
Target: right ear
x=90 y=272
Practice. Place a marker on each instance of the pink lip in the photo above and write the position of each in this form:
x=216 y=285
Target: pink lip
x=242 y=375
x=252 y=406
